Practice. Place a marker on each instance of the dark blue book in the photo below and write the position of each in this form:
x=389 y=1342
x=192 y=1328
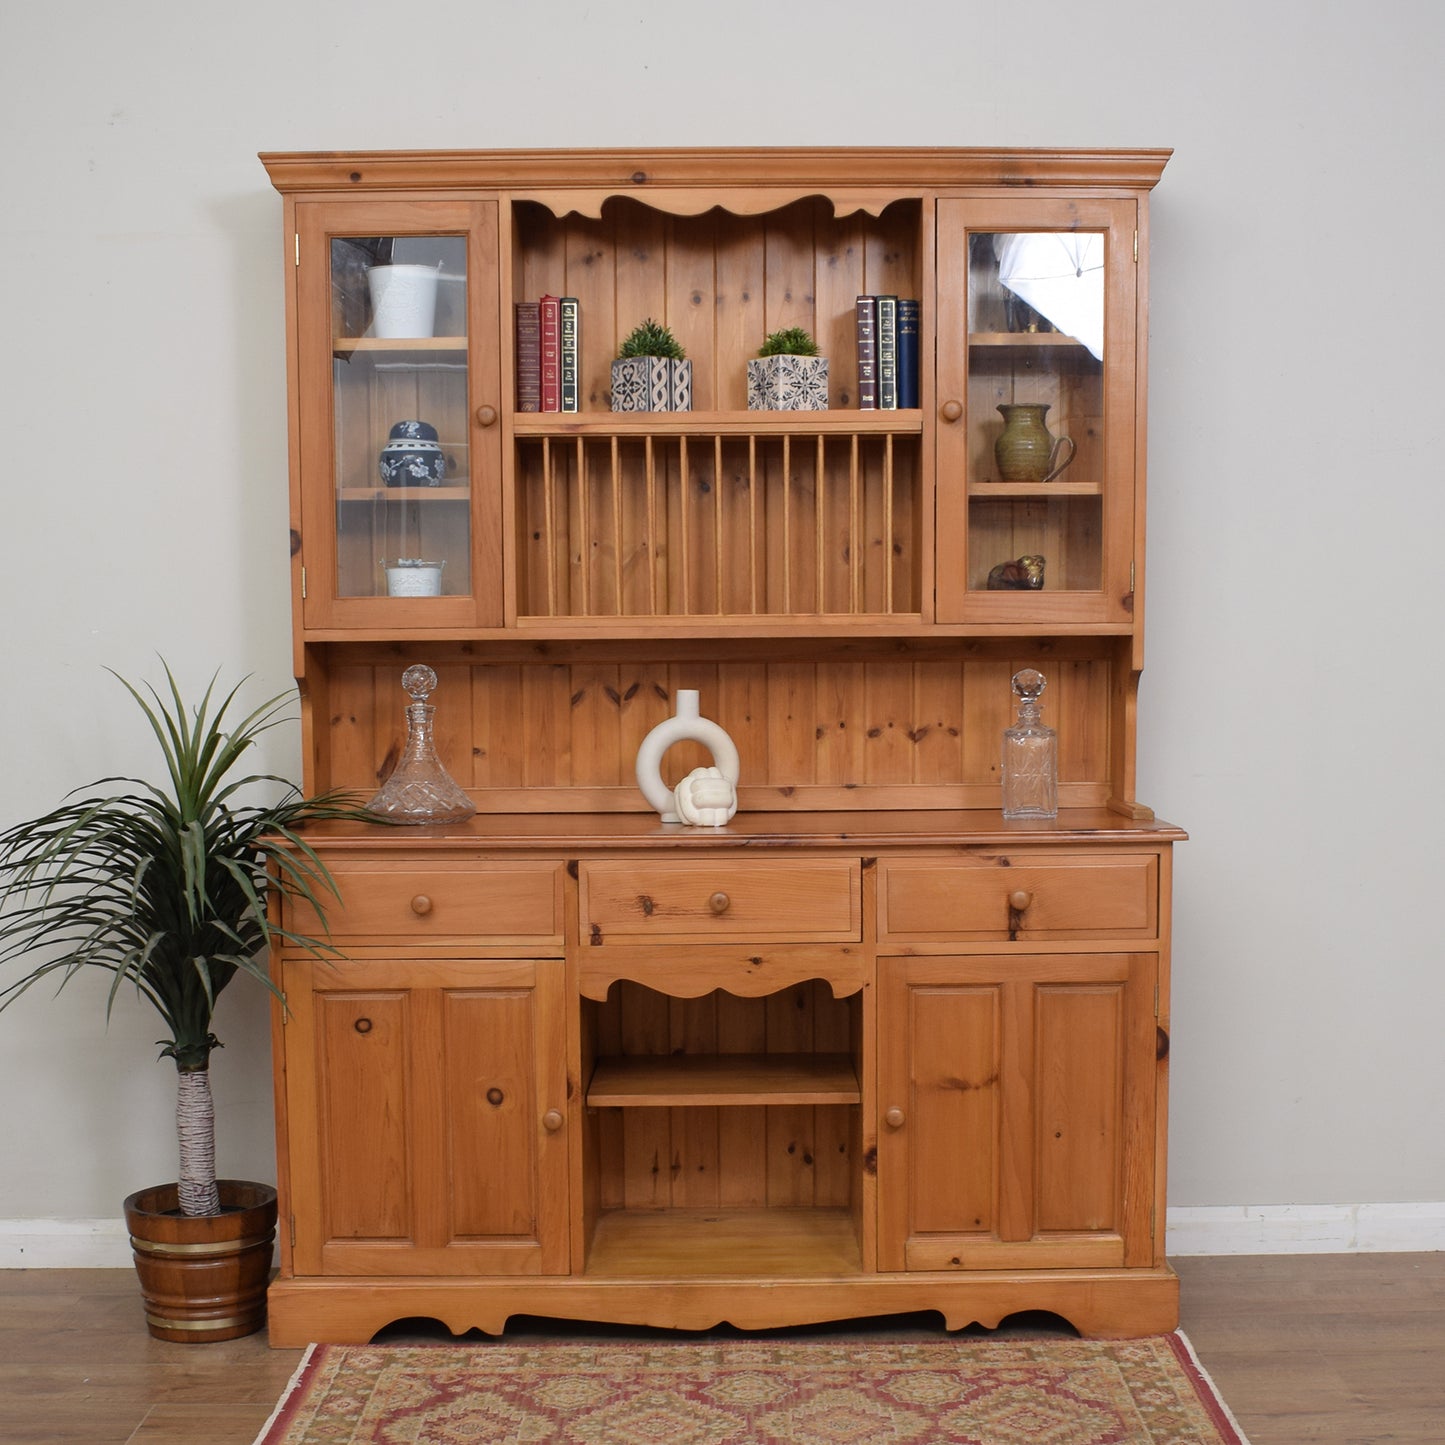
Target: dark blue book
x=887 y=353
x=908 y=317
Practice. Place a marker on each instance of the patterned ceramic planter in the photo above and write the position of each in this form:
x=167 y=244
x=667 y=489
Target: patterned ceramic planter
x=651 y=383
x=788 y=383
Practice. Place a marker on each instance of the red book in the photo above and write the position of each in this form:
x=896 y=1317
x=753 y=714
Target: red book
x=550 y=322
x=529 y=357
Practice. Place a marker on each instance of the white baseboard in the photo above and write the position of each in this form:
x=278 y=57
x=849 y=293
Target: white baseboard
x=1306 y=1229
x=1224 y=1229
x=64 y=1244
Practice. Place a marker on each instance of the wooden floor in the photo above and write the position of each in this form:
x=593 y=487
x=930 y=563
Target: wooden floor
x=1348 y=1349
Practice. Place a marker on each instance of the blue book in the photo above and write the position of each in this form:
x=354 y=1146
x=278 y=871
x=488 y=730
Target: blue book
x=908 y=317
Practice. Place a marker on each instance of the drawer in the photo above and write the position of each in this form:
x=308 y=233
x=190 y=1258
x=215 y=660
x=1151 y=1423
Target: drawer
x=1019 y=897
x=492 y=902
x=790 y=900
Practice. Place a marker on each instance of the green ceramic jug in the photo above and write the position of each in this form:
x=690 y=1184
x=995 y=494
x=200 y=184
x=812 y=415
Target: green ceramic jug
x=1025 y=452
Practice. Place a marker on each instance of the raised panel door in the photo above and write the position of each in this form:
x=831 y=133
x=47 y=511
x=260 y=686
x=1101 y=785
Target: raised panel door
x=427 y=1112
x=1016 y=1107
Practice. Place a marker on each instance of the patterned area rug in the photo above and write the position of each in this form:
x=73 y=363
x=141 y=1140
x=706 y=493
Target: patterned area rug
x=746 y=1392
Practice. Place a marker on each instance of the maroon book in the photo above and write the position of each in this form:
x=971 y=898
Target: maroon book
x=529 y=356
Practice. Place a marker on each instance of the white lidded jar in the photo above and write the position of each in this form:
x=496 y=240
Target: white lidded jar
x=412 y=456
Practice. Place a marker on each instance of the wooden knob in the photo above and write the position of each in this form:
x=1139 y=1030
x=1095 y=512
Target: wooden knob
x=421 y=905
x=894 y=1118
x=719 y=902
x=552 y=1120
x=495 y=1097
x=951 y=410
x=486 y=416
x=1161 y=1042
x=362 y=1026
x=1018 y=900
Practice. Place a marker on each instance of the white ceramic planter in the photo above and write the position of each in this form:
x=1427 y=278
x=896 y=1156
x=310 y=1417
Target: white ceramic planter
x=403 y=300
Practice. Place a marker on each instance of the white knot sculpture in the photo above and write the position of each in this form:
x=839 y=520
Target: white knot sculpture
x=705 y=799
x=702 y=796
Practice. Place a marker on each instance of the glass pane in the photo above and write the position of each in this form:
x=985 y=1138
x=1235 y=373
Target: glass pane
x=399 y=389
x=1036 y=410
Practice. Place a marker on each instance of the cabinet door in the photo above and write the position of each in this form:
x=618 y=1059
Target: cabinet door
x=1038 y=335
x=398 y=448
x=1017 y=1102
x=426 y=1112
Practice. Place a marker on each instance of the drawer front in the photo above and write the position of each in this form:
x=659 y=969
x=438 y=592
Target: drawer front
x=786 y=900
x=1019 y=897
x=491 y=902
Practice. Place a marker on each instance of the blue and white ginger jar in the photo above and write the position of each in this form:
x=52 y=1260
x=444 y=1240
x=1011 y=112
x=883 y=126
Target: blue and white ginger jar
x=412 y=456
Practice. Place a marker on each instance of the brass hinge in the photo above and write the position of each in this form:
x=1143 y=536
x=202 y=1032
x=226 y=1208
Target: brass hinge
x=296 y=237
x=1132 y=565
x=1153 y=1223
x=292 y=1219
x=303 y=584
x=1156 y=1000
x=1136 y=249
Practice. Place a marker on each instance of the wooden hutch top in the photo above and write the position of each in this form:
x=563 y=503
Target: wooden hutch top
x=823 y=577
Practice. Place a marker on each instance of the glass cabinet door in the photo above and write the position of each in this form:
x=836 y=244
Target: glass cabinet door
x=409 y=428
x=1037 y=371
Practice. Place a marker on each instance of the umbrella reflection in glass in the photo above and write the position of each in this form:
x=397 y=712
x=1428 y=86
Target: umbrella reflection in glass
x=1061 y=275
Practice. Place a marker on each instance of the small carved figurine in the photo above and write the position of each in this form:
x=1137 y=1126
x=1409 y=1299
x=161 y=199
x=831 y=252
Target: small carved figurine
x=1026 y=574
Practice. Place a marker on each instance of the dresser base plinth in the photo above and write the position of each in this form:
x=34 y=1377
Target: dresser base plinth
x=1104 y=1304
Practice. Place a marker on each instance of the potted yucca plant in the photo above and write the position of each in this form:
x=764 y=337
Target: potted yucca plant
x=164 y=887
x=651 y=372
x=788 y=374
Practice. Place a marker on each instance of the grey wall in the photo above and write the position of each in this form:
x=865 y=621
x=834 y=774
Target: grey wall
x=1292 y=695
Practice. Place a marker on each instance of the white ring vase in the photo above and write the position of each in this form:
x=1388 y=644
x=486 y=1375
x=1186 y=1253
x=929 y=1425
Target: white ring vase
x=686 y=725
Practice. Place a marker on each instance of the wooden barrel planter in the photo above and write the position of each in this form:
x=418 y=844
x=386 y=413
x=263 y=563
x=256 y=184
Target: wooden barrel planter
x=203 y=1279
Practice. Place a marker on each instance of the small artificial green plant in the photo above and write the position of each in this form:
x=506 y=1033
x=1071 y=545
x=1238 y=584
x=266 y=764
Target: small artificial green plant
x=791 y=341
x=651 y=338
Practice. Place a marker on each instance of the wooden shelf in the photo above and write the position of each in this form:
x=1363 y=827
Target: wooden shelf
x=723 y=1080
x=1003 y=491
x=404 y=494
x=1031 y=340
x=752 y=1243
x=717 y=423
x=346 y=345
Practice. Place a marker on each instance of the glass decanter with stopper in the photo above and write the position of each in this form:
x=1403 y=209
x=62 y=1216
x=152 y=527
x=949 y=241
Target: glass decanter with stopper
x=420 y=790
x=1030 y=755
